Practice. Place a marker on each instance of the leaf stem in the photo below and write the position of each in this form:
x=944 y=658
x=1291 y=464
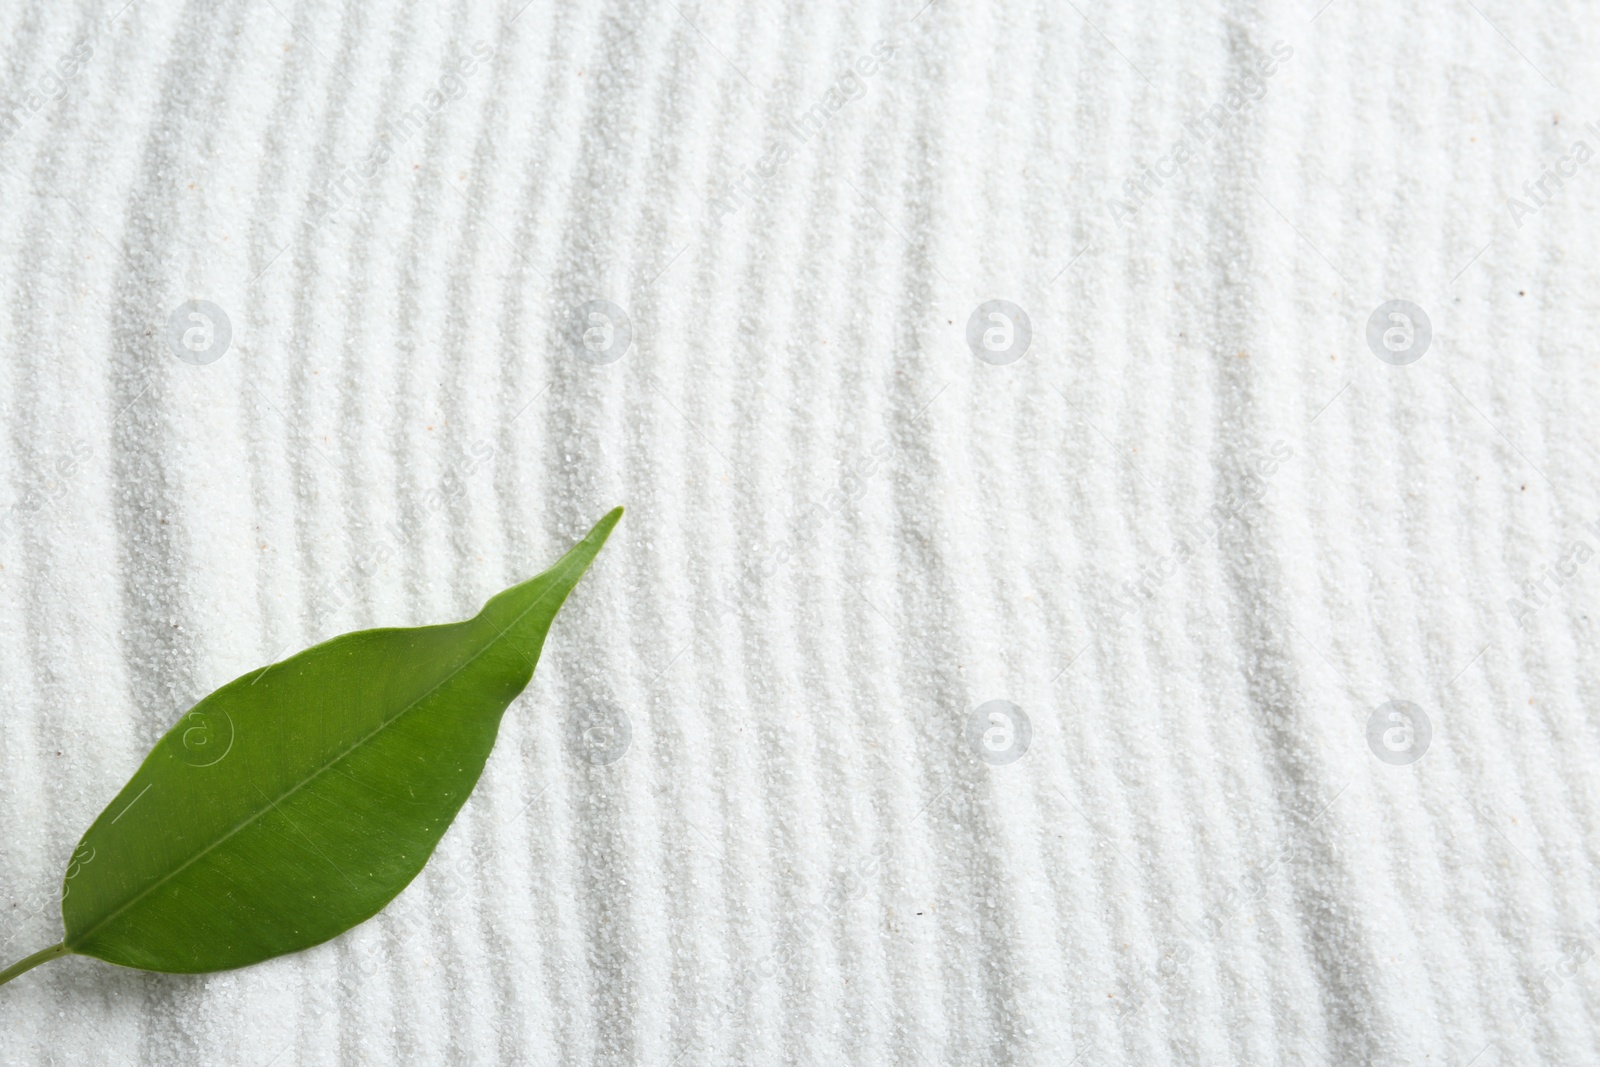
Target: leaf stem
x=44 y=955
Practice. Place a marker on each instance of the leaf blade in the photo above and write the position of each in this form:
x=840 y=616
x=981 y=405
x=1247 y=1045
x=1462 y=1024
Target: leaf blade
x=335 y=772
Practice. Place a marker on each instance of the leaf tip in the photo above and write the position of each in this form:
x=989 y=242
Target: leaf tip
x=603 y=528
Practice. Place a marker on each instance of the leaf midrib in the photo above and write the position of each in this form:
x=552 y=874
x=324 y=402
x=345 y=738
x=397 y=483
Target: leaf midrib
x=313 y=776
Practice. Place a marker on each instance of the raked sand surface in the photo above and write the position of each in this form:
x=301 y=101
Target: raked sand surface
x=1195 y=509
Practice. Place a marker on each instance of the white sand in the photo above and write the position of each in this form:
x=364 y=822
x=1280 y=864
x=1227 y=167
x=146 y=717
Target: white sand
x=799 y=858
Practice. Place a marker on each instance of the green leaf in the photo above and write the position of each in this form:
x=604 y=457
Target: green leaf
x=296 y=801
